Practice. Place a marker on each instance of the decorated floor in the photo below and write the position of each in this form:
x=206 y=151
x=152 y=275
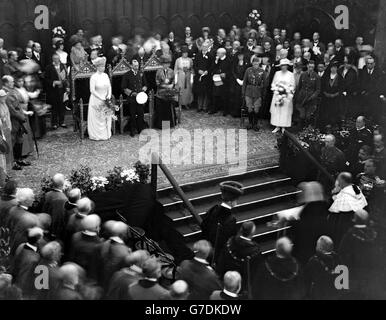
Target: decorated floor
x=62 y=150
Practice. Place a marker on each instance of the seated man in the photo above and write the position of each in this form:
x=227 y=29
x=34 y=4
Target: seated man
x=133 y=82
x=358 y=166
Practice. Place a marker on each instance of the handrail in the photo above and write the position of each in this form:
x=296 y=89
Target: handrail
x=157 y=161
x=309 y=156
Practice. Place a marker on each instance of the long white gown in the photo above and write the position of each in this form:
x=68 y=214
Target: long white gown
x=281 y=116
x=99 y=116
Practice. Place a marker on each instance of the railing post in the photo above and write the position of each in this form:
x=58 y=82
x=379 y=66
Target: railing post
x=154 y=176
x=177 y=188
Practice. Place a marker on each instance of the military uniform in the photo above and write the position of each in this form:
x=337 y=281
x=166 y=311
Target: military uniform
x=134 y=82
x=307 y=94
x=253 y=91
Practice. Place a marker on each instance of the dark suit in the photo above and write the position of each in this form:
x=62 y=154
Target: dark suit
x=147 y=290
x=17 y=118
x=278 y=279
x=370 y=89
x=202 y=85
x=19 y=221
x=220 y=224
x=65 y=293
x=234 y=257
x=23 y=270
x=111 y=256
x=121 y=281
x=84 y=249
x=113 y=56
x=54 y=205
x=42 y=62
x=200 y=277
x=6 y=203
x=350 y=86
x=55 y=93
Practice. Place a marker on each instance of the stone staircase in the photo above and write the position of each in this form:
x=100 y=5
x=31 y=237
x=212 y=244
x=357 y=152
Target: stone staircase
x=267 y=192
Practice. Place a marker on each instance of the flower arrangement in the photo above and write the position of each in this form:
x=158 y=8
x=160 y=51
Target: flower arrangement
x=83 y=179
x=255 y=18
x=59 y=32
x=99 y=184
x=310 y=136
x=129 y=176
x=283 y=91
x=143 y=171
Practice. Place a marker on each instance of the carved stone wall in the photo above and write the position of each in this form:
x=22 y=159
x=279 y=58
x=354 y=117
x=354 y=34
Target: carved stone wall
x=127 y=17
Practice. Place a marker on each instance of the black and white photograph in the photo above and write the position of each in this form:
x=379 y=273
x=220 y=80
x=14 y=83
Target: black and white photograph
x=212 y=152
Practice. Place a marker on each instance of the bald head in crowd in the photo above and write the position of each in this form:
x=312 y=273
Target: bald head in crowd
x=25 y=197
x=202 y=249
x=58 y=181
x=74 y=195
x=151 y=268
x=179 y=290
x=91 y=224
x=118 y=229
x=345 y=179
x=232 y=282
x=84 y=206
x=137 y=258
x=52 y=251
x=361 y=217
x=284 y=247
x=329 y=140
x=324 y=245
x=69 y=274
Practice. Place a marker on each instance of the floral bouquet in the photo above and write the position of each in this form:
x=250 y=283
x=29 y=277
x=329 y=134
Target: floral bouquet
x=112 y=107
x=98 y=184
x=310 y=136
x=255 y=18
x=283 y=91
x=59 y=32
x=129 y=176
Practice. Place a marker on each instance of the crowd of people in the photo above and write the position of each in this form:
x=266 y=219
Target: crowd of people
x=294 y=82
x=68 y=253
x=255 y=73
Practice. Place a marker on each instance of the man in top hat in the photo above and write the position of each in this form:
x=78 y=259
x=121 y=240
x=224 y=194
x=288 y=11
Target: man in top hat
x=133 y=82
x=219 y=223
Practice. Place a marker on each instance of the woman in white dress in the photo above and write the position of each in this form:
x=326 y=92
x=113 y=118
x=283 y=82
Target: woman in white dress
x=183 y=70
x=99 y=115
x=282 y=105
